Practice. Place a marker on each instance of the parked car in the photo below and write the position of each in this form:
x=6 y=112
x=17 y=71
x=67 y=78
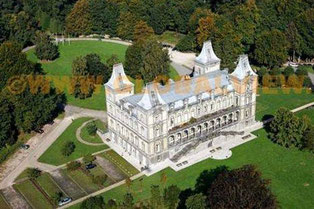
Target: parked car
x=65 y=201
x=90 y=166
x=25 y=146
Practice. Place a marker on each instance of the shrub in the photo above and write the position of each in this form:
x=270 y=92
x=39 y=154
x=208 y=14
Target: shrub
x=93 y=202
x=33 y=173
x=288 y=71
x=68 y=148
x=192 y=120
x=74 y=165
x=302 y=70
x=89 y=158
x=275 y=71
x=91 y=128
x=99 y=180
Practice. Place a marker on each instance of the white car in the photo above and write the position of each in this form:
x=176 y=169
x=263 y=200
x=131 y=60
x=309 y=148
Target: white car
x=65 y=201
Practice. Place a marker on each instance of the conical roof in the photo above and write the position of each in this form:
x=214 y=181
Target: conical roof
x=207 y=54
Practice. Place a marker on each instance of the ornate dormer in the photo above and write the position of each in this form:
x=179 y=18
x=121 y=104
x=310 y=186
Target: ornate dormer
x=206 y=61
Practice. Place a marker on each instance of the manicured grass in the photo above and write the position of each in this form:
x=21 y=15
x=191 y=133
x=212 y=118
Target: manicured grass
x=23 y=175
x=173 y=74
x=82 y=179
x=121 y=163
x=290 y=170
x=309 y=112
x=170 y=37
x=63 y=64
x=89 y=138
x=271 y=100
x=3 y=203
x=54 y=155
x=48 y=185
x=33 y=195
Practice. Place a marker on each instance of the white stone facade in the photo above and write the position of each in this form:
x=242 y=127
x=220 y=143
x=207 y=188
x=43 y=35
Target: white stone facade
x=164 y=122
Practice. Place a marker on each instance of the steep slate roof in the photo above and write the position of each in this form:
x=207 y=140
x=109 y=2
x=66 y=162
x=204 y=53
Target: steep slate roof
x=180 y=90
x=243 y=68
x=118 y=78
x=207 y=54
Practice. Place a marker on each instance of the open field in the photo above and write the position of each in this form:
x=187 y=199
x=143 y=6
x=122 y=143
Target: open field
x=54 y=156
x=290 y=171
x=271 y=100
x=33 y=196
x=121 y=163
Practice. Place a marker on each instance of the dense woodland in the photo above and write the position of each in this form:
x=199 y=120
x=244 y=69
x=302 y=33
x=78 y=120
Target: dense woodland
x=268 y=30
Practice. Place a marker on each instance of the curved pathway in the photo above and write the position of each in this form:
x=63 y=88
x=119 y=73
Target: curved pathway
x=79 y=138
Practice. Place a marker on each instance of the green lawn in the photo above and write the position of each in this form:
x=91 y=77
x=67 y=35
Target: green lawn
x=82 y=179
x=269 y=101
x=170 y=37
x=23 y=175
x=93 y=139
x=54 y=156
x=33 y=195
x=63 y=65
x=309 y=112
x=290 y=171
x=121 y=163
x=48 y=184
x=3 y=203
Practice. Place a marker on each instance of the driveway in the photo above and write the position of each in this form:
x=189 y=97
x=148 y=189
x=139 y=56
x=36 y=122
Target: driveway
x=24 y=159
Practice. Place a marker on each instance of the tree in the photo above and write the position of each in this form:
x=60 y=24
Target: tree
x=271 y=48
x=288 y=71
x=91 y=128
x=111 y=61
x=197 y=201
x=128 y=183
x=68 y=148
x=13 y=63
x=142 y=31
x=206 y=29
x=57 y=197
x=126 y=24
x=78 y=22
x=134 y=60
x=241 y=188
x=287 y=129
x=186 y=43
x=171 y=196
x=33 y=173
x=308 y=139
x=155 y=61
x=305 y=27
x=294 y=39
x=302 y=70
x=73 y=165
x=45 y=49
x=89 y=158
x=93 y=203
x=87 y=71
x=8 y=129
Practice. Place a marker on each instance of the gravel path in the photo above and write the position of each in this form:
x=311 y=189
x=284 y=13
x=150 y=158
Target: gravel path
x=110 y=169
x=15 y=200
